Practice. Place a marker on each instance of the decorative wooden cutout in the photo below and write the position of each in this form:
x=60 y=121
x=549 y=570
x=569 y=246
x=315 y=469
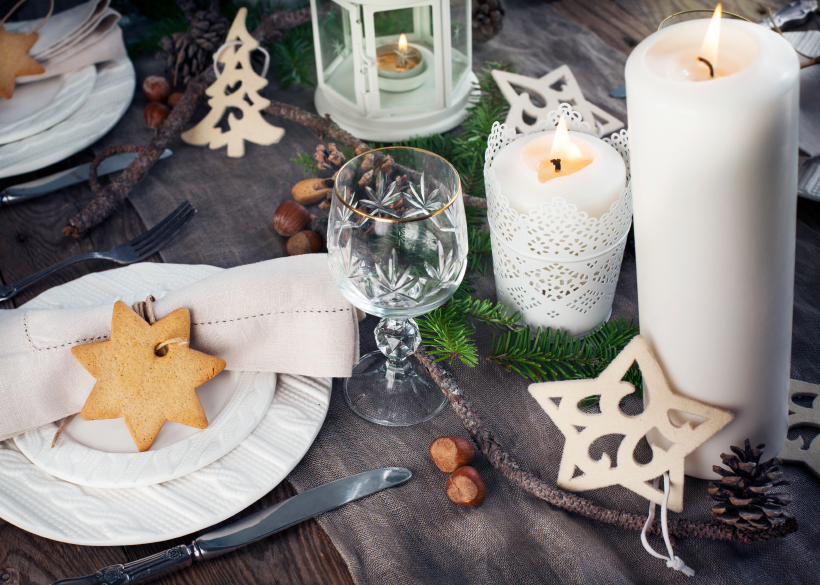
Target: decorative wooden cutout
x=803 y=415
x=16 y=61
x=568 y=91
x=239 y=78
x=612 y=421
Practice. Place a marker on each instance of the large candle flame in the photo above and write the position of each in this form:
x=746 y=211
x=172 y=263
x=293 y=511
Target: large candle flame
x=562 y=147
x=709 y=49
x=403 y=42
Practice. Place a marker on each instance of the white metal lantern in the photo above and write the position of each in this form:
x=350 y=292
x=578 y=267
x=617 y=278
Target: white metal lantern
x=389 y=70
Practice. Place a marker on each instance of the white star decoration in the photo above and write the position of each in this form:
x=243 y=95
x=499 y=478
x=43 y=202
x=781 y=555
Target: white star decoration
x=803 y=415
x=611 y=420
x=602 y=122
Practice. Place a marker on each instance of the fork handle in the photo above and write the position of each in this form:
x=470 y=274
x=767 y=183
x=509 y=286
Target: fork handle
x=12 y=289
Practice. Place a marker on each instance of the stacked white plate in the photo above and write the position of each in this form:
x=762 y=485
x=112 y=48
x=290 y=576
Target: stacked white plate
x=47 y=121
x=95 y=488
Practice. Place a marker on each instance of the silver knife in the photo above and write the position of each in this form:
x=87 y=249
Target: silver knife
x=254 y=527
x=38 y=187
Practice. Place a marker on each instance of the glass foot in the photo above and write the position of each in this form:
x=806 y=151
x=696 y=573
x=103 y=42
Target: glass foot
x=393 y=396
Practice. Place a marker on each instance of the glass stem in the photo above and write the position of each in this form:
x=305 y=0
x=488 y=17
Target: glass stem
x=397 y=339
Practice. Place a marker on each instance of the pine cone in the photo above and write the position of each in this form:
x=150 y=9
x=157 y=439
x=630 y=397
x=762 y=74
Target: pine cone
x=488 y=18
x=189 y=54
x=742 y=496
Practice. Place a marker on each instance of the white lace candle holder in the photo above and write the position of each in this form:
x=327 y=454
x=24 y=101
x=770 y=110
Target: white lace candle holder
x=556 y=265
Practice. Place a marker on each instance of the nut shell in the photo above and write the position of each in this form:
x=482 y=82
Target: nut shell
x=290 y=218
x=310 y=191
x=465 y=487
x=450 y=453
x=156 y=88
x=174 y=98
x=155 y=114
x=305 y=242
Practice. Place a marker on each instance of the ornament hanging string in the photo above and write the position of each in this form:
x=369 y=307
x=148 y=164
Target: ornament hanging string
x=237 y=43
x=36 y=28
x=672 y=561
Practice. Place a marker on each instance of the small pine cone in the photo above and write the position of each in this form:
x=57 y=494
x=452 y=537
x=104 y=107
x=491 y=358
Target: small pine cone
x=188 y=54
x=742 y=496
x=488 y=19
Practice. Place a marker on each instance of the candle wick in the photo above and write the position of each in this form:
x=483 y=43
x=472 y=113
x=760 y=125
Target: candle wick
x=711 y=69
x=556 y=163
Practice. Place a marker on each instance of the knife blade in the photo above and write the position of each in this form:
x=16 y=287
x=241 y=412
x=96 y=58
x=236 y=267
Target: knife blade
x=66 y=178
x=252 y=528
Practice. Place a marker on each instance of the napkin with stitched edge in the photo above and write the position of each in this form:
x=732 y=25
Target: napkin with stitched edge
x=284 y=315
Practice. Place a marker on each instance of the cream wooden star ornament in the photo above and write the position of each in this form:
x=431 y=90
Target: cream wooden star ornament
x=803 y=416
x=556 y=87
x=582 y=428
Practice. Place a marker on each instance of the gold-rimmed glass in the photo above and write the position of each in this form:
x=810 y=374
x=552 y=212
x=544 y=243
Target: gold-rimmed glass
x=397 y=247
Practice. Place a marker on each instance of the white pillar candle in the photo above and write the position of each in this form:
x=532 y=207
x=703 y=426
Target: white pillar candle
x=714 y=181
x=592 y=173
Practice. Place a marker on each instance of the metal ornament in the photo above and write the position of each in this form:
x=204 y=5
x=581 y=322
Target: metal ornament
x=582 y=428
x=803 y=415
x=556 y=87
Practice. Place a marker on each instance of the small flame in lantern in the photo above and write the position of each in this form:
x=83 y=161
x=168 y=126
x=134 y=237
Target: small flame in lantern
x=403 y=43
x=709 y=49
x=562 y=147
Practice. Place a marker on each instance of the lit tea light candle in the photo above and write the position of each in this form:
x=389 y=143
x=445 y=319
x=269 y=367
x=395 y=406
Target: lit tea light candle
x=713 y=113
x=399 y=60
x=580 y=168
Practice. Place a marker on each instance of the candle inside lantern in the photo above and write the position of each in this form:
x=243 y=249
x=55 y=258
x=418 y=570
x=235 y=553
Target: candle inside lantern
x=399 y=60
x=714 y=180
x=579 y=168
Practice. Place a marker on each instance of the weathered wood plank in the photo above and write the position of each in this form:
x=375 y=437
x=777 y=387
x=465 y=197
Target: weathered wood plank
x=616 y=26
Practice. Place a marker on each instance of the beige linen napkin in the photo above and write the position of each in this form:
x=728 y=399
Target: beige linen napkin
x=284 y=315
x=75 y=38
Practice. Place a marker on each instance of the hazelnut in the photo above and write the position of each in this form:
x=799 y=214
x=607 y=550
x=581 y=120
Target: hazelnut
x=305 y=242
x=174 y=98
x=156 y=88
x=450 y=453
x=310 y=191
x=465 y=487
x=290 y=217
x=154 y=114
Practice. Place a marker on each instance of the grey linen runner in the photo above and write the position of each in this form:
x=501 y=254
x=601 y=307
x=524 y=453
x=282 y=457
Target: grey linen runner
x=413 y=534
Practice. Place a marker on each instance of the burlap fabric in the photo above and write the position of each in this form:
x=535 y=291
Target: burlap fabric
x=413 y=534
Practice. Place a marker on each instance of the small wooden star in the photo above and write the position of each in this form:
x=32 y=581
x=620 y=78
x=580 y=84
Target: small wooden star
x=136 y=384
x=16 y=62
x=581 y=428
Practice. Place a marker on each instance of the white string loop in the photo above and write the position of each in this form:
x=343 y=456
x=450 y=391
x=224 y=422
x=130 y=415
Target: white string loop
x=672 y=561
x=236 y=44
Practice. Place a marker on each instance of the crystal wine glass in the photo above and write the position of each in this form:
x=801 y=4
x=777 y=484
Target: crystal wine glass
x=397 y=246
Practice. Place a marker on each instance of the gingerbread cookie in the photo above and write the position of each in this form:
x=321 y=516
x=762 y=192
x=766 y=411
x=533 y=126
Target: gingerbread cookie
x=16 y=62
x=140 y=386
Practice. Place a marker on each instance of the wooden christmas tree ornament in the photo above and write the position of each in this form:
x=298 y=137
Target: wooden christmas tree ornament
x=582 y=428
x=807 y=416
x=237 y=88
x=556 y=87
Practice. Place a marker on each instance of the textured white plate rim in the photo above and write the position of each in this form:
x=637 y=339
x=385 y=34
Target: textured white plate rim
x=77 y=86
x=275 y=429
x=153 y=464
x=99 y=128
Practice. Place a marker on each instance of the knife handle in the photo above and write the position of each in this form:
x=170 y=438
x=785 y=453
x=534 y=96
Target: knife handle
x=140 y=571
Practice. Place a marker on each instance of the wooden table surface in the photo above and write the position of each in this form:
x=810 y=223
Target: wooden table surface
x=31 y=239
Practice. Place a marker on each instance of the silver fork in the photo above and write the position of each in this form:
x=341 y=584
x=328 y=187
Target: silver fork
x=136 y=250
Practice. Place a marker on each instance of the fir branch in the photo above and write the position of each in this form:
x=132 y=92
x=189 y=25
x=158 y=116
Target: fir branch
x=480 y=249
x=307 y=163
x=293 y=58
x=445 y=335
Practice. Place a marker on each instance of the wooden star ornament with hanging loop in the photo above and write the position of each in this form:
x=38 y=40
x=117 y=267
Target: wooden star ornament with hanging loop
x=140 y=386
x=662 y=410
x=14 y=59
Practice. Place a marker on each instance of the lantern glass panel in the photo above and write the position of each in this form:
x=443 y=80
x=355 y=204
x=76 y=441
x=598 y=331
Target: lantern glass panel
x=459 y=37
x=335 y=45
x=407 y=75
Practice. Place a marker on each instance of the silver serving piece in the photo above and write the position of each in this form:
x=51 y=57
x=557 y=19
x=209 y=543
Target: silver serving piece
x=254 y=527
x=792 y=14
x=66 y=178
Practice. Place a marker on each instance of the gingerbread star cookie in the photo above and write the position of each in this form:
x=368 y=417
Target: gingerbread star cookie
x=140 y=386
x=16 y=62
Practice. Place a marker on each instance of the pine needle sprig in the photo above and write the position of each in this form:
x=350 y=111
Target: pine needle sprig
x=293 y=58
x=445 y=335
x=480 y=249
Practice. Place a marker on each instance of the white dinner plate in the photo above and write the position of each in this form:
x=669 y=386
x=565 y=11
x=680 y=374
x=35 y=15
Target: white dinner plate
x=45 y=505
x=40 y=105
x=105 y=105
